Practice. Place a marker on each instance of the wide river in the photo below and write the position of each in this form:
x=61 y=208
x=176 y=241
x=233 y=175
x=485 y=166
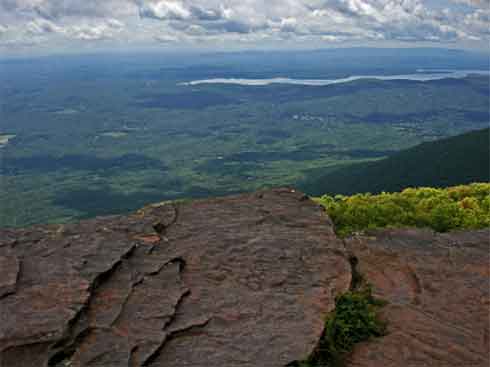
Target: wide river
x=420 y=75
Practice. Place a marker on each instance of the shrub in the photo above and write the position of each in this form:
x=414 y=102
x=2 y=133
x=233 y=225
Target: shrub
x=459 y=207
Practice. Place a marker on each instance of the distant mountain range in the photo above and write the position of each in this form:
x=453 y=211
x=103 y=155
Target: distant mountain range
x=457 y=160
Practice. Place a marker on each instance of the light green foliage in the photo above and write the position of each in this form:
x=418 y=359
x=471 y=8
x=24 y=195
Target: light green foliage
x=459 y=207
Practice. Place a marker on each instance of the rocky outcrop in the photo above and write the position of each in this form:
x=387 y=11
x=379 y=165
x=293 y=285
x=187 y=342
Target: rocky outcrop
x=437 y=286
x=239 y=281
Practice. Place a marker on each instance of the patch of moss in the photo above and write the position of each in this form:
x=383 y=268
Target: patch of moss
x=354 y=320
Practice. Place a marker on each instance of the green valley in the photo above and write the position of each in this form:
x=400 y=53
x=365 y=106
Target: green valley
x=83 y=136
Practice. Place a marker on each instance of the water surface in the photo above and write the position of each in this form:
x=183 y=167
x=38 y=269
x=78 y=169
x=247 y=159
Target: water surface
x=421 y=75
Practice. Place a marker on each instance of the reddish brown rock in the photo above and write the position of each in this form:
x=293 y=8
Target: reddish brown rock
x=438 y=288
x=9 y=272
x=241 y=281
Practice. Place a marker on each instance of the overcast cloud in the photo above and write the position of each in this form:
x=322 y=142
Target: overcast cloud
x=71 y=24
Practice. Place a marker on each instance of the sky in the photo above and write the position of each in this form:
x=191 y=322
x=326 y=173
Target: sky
x=54 y=26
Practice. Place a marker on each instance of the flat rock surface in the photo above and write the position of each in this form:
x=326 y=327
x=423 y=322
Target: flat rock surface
x=240 y=281
x=437 y=286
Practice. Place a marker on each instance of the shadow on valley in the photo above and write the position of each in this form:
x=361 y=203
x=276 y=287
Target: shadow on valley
x=105 y=201
x=95 y=202
x=184 y=100
x=47 y=163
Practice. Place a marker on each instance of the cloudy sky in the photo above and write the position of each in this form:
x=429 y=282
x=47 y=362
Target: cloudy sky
x=44 y=26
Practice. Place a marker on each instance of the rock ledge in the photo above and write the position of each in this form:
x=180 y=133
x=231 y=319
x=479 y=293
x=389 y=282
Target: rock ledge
x=238 y=282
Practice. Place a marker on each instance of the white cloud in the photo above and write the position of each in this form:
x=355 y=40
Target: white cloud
x=289 y=24
x=98 y=31
x=248 y=21
x=41 y=26
x=164 y=10
x=331 y=38
x=166 y=38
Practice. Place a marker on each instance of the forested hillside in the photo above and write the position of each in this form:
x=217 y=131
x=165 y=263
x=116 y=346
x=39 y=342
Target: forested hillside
x=453 y=161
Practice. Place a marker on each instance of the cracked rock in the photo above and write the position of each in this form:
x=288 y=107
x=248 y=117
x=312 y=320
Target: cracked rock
x=239 y=281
